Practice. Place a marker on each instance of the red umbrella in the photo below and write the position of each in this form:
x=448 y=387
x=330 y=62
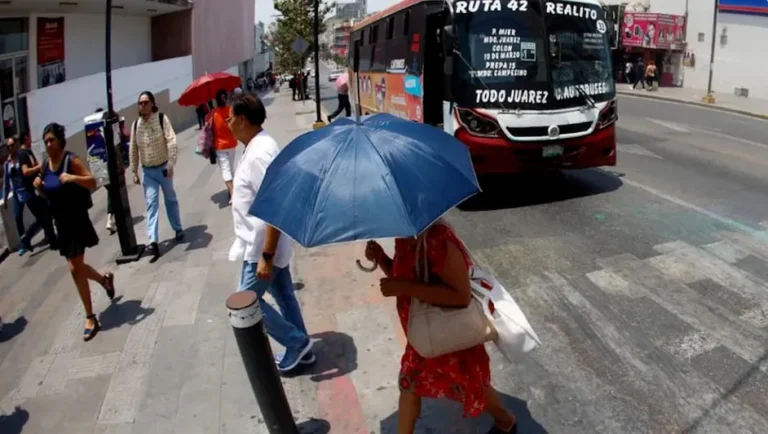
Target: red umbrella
x=204 y=88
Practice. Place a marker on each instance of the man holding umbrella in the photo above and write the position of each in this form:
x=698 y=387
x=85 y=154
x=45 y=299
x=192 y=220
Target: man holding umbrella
x=264 y=251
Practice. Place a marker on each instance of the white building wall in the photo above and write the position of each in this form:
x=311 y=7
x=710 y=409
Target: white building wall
x=84 y=43
x=85 y=94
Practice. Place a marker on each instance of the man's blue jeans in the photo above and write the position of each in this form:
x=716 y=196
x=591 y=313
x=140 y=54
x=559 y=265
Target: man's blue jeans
x=287 y=329
x=153 y=182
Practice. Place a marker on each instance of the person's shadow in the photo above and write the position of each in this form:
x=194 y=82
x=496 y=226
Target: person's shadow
x=445 y=416
x=14 y=423
x=221 y=199
x=13 y=329
x=336 y=355
x=195 y=237
x=123 y=312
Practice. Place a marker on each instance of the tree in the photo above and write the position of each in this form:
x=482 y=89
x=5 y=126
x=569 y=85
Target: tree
x=297 y=20
x=339 y=60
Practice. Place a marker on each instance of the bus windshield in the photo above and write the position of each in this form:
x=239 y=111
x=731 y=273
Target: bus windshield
x=531 y=55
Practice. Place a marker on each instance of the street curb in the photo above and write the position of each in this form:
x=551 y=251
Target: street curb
x=693 y=103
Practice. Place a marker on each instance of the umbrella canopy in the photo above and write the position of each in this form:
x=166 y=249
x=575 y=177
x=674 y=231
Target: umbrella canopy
x=204 y=88
x=342 y=81
x=384 y=178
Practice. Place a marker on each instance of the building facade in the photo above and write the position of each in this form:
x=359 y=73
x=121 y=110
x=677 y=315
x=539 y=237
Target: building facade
x=52 y=57
x=52 y=64
x=742 y=26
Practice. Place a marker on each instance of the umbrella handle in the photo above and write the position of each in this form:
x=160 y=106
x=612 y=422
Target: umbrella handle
x=370 y=269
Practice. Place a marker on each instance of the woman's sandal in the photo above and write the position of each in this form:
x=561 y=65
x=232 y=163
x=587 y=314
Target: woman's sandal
x=90 y=333
x=108 y=282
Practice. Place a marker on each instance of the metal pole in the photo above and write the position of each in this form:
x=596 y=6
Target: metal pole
x=712 y=53
x=317 y=62
x=245 y=315
x=117 y=191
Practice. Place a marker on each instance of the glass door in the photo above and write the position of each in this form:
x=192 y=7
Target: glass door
x=14 y=85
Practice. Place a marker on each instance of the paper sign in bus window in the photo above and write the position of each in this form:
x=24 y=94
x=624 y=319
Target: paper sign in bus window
x=528 y=51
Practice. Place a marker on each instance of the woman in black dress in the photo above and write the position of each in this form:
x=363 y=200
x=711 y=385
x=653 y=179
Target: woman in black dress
x=67 y=183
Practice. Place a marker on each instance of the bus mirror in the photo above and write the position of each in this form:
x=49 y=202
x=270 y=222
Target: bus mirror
x=448 y=40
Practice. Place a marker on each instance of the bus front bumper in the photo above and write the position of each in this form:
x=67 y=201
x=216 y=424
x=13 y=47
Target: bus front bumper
x=500 y=155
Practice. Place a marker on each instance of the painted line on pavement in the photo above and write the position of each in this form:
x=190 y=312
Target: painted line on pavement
x=638 y=150
x=725 y=220
x=670 y=125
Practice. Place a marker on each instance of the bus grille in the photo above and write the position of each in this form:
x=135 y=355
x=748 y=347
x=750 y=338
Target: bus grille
x=582 y=127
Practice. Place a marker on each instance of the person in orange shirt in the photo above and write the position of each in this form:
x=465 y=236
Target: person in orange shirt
x=223 y=140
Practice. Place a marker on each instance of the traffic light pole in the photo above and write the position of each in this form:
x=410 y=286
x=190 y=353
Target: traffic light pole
x=117 y=191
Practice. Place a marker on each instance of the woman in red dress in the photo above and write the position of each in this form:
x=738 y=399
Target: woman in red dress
x=463 y=376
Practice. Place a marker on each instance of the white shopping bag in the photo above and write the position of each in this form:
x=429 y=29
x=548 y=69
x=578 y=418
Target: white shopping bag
x=515 y=334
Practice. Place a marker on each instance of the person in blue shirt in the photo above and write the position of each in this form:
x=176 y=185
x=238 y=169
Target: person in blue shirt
x=18 y=183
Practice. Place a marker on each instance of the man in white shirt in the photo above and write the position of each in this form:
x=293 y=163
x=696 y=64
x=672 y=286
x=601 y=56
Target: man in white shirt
x=265 y=252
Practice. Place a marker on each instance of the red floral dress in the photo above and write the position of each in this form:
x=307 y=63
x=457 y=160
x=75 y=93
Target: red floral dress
x=462 y=376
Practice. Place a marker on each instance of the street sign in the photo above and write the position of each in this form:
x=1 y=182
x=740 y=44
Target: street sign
x=300 y=45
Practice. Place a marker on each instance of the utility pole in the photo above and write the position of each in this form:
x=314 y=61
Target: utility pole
x=117 y=191
x=710 y=97
x=319 y=121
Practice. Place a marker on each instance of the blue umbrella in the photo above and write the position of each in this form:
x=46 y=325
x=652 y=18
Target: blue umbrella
x=383 y=178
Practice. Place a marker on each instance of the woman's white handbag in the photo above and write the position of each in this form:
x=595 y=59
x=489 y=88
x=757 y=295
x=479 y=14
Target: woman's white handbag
x=515 y=334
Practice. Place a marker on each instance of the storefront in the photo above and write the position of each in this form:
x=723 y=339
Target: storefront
x=658 y=39
x=14 y=76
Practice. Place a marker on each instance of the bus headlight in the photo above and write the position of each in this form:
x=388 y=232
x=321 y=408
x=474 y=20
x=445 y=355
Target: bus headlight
x=476 y=124
x=609 y=115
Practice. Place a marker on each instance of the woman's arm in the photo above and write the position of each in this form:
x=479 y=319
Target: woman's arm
x=453 y=289
x=81 y=175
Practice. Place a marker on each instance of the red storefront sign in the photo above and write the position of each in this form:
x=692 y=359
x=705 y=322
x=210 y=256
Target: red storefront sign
x=649 y=30
x=50 y=51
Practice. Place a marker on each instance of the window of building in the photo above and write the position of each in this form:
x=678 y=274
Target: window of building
x=701 y=36
x=14 y=35
x=390 y=27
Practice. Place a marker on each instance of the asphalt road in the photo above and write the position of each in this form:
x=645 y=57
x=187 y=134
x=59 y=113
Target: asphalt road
x=647 y=282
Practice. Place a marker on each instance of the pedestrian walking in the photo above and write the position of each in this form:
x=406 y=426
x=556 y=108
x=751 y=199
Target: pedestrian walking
x=463 y=376
x=629 y=72
x=639 y=74
x=19 y=174
x=305 y=85
x=202 y=112
x=224 y=142
x=650 y=74
x=292 y=85
x=262 y=249
x=153 y=145
x=342 y=86
x=66 y=183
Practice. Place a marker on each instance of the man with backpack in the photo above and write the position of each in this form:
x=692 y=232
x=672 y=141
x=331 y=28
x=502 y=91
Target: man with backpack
x=153 y=144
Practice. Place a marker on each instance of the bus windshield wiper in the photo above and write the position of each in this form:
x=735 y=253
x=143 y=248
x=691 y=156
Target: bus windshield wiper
x=590 y=101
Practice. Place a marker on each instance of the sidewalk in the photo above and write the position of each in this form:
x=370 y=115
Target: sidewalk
x=166 y=360
x=752 y=107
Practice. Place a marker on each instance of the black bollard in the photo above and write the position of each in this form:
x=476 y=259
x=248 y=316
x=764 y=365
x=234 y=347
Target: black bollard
x=246 y=316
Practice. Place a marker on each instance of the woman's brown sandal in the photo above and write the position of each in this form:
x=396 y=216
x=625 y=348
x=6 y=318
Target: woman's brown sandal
x=108 y=282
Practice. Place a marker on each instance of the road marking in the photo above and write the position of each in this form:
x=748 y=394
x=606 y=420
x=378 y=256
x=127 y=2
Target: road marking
x=725 y=220
x=732 y=138
x=638 y=150
x=670 y=125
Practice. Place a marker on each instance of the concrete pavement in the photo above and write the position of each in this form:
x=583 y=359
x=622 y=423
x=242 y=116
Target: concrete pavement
x=646 y=283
